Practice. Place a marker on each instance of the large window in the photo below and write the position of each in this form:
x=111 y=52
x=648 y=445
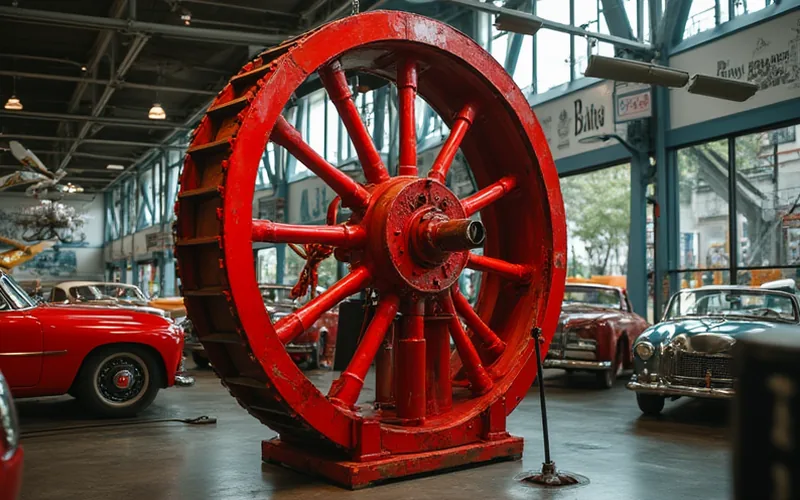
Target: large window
x=704 y=240
x=707 y=14
x=748 y=234
x=597 y=205
x=768 y=198
x=552 y=58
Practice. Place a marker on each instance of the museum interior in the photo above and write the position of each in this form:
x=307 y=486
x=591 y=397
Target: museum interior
x=425 y=249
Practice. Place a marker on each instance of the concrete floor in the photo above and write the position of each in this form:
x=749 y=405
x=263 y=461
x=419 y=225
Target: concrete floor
x=599 y=434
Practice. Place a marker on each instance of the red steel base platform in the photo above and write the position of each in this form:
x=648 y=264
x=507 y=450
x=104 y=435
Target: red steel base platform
x=356 y=475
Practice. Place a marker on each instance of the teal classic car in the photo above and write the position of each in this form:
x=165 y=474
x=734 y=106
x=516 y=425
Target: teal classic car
x=689 y=352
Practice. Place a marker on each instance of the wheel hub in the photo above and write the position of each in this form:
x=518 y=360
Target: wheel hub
x=422 y=235
x=123 y=379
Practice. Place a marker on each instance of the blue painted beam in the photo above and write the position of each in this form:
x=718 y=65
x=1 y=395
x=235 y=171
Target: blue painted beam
x=617 y=18
x=673 y=22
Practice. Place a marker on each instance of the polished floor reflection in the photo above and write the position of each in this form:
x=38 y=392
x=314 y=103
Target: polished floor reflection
x=599 y=434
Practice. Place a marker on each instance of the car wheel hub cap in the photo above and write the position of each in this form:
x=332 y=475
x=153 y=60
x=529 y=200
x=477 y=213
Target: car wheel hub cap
x=123 y=379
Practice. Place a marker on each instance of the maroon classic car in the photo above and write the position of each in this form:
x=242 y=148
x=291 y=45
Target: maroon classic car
x=595 y=332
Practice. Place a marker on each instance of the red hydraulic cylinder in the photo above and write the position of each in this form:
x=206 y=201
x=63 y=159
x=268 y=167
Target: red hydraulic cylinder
x=439 y=389
x=410 y=364
x=384 y=369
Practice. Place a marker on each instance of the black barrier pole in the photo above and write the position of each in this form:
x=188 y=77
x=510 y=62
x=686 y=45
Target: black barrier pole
x=548 y=477
x=537 y=336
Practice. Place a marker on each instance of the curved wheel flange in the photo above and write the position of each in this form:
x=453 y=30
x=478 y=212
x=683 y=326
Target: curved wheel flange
x=408 y=240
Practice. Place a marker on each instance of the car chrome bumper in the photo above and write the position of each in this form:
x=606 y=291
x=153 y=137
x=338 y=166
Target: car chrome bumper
x=184 y=381
x=576 y=364
x=662 y=389
x=299 y=348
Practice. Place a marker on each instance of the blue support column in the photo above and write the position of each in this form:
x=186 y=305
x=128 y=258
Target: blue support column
x=280 y=257
x=668 y=212
x=637 y=242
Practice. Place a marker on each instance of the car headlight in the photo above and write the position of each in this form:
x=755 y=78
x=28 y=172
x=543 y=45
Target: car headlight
x=9 y=426
x=644 y=350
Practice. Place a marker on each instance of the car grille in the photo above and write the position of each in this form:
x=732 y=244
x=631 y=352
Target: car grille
x=691 y=369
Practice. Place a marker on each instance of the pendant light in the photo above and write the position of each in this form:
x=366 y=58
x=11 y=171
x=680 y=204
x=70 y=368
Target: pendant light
x=13 y=103
x=157 y=112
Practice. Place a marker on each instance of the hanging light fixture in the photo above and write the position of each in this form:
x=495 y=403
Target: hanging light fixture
x=157 y=112
x=186 y=17
x=13 y=103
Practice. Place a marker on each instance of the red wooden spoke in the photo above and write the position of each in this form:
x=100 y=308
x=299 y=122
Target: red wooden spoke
x=476 y=324
x=514 y=272
x=338 y=236
x=480 y=381
x=345 y=389
x=353 y=194
x=406 y=96
x=445 y=158
x=488 y=195
x=289 y=327
x=335 y=82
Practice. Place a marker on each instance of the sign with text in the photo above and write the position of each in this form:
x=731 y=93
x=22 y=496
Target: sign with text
x=767 y=54
x=632 y=102
x=585 y=113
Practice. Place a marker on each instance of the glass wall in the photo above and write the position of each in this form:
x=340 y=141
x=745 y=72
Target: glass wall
x=597 y=205
x=749 y=236
x=707 y=14
x=552 y=58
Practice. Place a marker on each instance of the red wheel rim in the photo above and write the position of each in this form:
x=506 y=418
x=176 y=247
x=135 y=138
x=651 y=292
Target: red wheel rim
x=524 y=253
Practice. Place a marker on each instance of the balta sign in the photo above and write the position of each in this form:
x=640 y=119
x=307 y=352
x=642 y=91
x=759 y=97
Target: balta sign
x=584 y=113
x=588 y=118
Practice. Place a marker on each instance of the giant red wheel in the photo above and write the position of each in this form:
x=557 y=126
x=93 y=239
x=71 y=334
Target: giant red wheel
x=407 y=241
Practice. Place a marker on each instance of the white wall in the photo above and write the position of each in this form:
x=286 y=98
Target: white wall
x=66 y=261
x=767 y=54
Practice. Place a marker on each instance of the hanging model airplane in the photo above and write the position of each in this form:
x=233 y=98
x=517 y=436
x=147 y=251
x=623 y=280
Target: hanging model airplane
x=36 y=174
x=19 y=253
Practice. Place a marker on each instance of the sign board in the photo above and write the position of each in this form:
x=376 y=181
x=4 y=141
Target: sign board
x=632 y=101
x=158 y=241
x=585 y=113
x=273 y=209
x=309 y=198
x=767 y=54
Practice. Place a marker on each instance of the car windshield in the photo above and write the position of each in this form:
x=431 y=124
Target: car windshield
x=121 y=293
x=757 y=304
x=15 y=293
x=593 y=296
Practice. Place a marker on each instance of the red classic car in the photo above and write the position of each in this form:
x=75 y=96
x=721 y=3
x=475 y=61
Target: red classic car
x=315 y=347
x=112 y=360
x=595 y=332
x=10 y=451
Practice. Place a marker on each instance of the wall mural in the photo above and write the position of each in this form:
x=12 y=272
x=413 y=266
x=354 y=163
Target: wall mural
x=55 y=262
x=33 y=238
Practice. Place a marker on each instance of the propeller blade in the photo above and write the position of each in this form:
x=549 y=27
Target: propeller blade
x=27 y=158
x=18 y=179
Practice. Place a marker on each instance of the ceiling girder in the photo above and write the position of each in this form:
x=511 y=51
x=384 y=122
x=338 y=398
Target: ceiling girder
x=103 y=120
x=140 y=27
x=119 y=84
